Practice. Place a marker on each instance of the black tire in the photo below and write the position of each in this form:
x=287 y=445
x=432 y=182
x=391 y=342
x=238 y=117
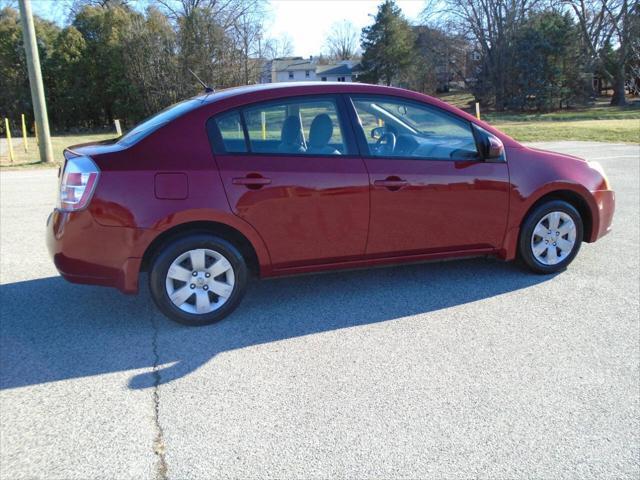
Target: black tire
x=170 y=252
x=526 y=232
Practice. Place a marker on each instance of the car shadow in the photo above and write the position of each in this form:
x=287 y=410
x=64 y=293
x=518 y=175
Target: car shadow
x=52 y=330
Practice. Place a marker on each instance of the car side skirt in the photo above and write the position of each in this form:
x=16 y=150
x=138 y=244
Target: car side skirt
x=373 y=262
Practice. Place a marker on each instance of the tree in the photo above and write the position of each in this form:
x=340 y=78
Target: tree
x=491 y=25
x=545 y=63
x=387 y=45
x=151 y=63
x=278 y=47
x=634 y=65
x=603 y=24
x=106 y=90
x=248 y=32
x=15 y=96
x=14 y=83
x=439 y=58
x=342 y=40
x=66 y=82
x=216 y=39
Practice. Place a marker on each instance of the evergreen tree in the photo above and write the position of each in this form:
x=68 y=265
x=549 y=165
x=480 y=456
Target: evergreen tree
x=387 y=45
x=544 y=67
x=15 y=95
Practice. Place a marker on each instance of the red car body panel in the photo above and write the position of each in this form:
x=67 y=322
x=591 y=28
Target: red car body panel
x=334 y=191
x=536 y=173
x=316 y=213
x=444 y=206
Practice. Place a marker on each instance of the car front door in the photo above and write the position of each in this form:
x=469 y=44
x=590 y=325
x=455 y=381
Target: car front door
x=430 y=190
x=291 y=170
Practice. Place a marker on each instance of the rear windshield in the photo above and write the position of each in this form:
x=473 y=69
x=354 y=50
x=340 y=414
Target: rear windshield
x=151 y=124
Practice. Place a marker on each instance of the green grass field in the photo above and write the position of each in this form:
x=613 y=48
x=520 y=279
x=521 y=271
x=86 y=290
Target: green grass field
x=31 y=157
x=600 y=123
x=613 y=131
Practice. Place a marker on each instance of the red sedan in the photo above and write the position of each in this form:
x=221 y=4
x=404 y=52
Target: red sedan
x=290 y=178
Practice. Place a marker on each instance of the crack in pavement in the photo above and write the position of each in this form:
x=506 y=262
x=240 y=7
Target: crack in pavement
x=159 y=447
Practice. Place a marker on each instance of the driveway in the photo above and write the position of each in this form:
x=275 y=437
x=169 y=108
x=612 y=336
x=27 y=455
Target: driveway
x=458 y=369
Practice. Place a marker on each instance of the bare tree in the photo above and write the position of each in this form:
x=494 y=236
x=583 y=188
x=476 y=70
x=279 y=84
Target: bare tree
x=432 y=14
x=225 y=12
x=278 y=47
x=248 y=31
x=440 y=58
x=150 y=60
x=342 y=40
x=605 y=25
x=74 y=6
x=216 y=39
x=492 y=26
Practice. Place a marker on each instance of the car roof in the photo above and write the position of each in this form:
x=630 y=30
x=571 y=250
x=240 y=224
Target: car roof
x=301 y=88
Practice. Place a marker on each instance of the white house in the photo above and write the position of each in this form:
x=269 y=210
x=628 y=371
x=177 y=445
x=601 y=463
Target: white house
x=298 y=69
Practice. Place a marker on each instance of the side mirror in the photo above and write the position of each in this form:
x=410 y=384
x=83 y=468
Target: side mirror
x=491 y=147
x=378 y=132
x=496 y=148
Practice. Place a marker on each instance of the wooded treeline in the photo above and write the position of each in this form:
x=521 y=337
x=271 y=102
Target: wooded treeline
x=112 y=60
x=512 y=54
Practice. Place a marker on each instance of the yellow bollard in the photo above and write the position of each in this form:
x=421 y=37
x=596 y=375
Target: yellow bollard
x=263 y=117
x=35 y=132
x=6 y=124
x=24 y=134
x=478 y=110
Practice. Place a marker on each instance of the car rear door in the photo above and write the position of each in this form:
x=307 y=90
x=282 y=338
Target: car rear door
x=430 y=192
x=291 y=170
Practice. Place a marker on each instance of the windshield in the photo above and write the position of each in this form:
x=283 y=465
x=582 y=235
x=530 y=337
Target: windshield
x=151 y=124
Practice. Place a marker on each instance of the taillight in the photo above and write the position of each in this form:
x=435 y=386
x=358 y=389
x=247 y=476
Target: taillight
x=78 y=182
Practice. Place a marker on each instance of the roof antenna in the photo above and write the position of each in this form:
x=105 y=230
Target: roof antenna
x=207 y=88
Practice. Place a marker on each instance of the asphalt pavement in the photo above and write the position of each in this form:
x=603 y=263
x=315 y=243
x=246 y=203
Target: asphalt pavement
x=459 y=369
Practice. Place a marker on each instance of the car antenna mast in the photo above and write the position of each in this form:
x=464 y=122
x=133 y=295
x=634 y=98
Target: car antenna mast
x=207 y=88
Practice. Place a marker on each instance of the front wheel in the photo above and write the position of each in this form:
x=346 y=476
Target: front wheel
x=550 y=237
x=198 y=279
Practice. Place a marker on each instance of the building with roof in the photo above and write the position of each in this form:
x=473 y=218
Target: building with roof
x=298 y=69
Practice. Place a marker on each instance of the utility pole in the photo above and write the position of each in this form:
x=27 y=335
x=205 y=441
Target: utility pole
x=35 y=81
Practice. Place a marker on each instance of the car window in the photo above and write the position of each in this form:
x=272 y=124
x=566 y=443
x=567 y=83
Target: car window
x=300 y=127
x=151 y=124
x=399 y=128
x=228 y=135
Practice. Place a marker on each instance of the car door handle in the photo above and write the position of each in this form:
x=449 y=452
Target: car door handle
x=392 y=183
x=251 y=181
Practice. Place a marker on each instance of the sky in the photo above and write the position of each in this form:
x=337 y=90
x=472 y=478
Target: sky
x=306 y=22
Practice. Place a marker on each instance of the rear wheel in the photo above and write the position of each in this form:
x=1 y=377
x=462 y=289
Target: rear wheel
x=550 y=237
x=198 y=279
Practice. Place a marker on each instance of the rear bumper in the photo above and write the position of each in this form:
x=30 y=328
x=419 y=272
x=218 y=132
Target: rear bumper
x=85 y=252
x=603 y=219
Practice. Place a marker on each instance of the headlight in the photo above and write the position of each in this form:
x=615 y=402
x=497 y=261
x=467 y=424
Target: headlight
x=598 y=168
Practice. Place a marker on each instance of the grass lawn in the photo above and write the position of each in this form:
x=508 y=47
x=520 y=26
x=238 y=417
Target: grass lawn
x=31 y=158
x=614 y=131
x=600 y=122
